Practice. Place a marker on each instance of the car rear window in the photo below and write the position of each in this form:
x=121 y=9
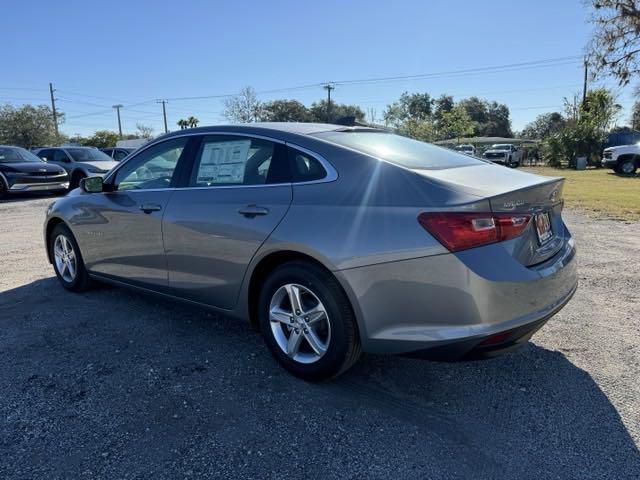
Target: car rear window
x=400 y=150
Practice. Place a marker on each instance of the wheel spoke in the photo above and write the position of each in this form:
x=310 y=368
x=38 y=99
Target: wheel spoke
x=57 y=250
x=278 y=315
x=71 y=266
x=316 y=314
x=314 y=342
x=293 y=345
x=64 y=269
x=65 y=245
x=294 y=297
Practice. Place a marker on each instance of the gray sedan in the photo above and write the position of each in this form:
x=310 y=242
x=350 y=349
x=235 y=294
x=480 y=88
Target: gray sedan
x=330 y=240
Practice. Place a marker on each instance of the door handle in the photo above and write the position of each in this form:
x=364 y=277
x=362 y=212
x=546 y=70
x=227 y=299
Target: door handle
x=253 y=210
x=150 y=207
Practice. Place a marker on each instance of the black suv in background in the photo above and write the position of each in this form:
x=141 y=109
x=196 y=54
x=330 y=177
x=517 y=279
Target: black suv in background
x=22 y=171
x=118 y=153
x=79 y=162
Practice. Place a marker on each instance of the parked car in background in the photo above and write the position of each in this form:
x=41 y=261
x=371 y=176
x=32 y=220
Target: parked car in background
x=623 y=159
x=436 y=254
x=118 y=153
x=79 y=162
x=22 y=171
x=466 y=149
x=504 y=153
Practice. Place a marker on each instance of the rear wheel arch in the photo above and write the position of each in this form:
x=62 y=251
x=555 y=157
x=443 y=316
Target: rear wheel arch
x=267 y=265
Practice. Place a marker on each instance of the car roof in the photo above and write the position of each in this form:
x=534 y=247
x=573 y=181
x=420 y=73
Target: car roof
x=294 y=128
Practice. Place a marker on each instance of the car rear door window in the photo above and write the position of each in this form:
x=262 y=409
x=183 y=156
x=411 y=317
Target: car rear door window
x=226 y=160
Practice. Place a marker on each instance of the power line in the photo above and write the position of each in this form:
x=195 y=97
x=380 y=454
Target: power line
x=494 y=68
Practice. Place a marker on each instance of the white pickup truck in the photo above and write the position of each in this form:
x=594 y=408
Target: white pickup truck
x=623 y=159
x=504 y=153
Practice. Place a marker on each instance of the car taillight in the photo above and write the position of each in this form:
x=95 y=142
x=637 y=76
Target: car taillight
x=460 y=230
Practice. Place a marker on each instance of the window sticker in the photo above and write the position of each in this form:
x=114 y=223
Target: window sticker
x=223 y=162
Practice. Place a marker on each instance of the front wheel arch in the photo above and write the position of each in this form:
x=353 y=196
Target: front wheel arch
x=51 y=224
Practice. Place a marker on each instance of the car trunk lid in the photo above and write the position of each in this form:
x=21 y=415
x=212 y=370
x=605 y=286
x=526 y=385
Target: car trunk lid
x=520 y=193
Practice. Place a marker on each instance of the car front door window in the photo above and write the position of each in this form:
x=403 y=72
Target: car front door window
x=60 y=156
x=152 y=168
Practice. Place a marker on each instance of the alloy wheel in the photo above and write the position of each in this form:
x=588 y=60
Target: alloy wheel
x=299 y=323
x=65 y=258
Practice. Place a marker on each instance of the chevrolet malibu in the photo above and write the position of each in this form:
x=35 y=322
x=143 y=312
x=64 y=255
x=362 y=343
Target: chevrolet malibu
x=330 y=240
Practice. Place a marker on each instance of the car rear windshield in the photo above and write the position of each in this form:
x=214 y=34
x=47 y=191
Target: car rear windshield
x=88 y=155
x=400 y=150
x=17 y=155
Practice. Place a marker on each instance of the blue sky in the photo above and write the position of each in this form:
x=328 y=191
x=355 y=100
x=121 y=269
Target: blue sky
x=134 y=52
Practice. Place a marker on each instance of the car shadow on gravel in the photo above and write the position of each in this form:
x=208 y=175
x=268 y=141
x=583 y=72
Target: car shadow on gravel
x=112 y=383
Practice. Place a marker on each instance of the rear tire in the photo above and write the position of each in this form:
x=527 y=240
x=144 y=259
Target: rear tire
x=67 y=260
x=334 y=333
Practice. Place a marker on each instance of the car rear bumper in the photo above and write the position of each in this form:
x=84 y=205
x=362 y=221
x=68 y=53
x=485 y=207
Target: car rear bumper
x=440 y=307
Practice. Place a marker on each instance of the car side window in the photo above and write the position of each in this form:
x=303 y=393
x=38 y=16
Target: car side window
x=46 y=154
x=152 y=168
x=119 y=154
x=60 y=156
x=304 y=167
x=224 y=160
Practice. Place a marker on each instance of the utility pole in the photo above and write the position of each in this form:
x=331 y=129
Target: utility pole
x=584 y=88
x=328 y=87
x=164 y=113
x=118 y=107
x=53 y=108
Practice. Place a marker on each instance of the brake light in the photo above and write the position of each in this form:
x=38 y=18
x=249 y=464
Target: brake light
x=460 y=230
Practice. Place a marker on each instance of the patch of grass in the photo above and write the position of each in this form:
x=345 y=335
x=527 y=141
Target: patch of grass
x=598 y=192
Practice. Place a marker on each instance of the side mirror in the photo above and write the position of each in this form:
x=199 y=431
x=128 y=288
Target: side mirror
x=44 y=159
x=91 y=185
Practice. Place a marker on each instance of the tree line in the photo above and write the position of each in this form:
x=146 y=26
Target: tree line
x=417 y=115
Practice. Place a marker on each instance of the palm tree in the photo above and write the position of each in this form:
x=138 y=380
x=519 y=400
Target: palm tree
x=193 y=121
x=182 y=123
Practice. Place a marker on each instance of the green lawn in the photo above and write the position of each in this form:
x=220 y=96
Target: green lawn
x=598 y=192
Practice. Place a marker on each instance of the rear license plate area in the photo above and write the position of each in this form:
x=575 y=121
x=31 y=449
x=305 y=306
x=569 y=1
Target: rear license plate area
x=543 y=227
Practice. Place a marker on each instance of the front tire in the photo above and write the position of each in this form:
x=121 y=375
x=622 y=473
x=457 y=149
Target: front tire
x=307 y=322
x=627 y=167
x=67 y=260
x=75 y=180
x=3 y=188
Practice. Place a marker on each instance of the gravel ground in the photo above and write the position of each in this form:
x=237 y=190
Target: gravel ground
x=115 y=384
